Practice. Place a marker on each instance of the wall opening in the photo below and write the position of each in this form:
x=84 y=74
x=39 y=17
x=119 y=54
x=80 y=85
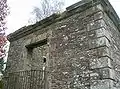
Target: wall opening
x=37 y=54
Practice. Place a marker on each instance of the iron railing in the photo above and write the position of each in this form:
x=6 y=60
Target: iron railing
x=32 y=79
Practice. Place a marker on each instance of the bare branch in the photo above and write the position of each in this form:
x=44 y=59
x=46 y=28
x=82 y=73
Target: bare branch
x=48 y=7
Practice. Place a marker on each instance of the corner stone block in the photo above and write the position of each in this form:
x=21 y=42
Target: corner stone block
x=95 y=25
x=98 y=15
x=102 y=84
x=98 y=42
x=100 y=62
x=100 y=74
x=103 y=51
x=101 y=32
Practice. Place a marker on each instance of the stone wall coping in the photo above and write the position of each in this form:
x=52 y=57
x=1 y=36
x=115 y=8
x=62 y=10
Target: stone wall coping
x=71 y=10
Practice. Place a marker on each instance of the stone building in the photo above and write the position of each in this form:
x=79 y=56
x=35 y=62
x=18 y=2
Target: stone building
x=78 y=49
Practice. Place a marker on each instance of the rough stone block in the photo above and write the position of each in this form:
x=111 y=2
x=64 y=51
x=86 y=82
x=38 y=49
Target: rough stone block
x=101 y=84
x=100 y=62
x=103 y=51
x=95 y=24
x=98 y=42
x=98 y=15
x=99 y=33
x=102 y=73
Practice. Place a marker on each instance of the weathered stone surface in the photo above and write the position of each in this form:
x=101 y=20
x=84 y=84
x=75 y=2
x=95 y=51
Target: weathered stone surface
x=79 y=49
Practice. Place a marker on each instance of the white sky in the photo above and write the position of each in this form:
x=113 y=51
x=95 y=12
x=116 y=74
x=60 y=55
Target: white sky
x=20 y=11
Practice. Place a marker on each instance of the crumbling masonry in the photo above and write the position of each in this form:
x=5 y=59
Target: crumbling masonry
x=79 y=49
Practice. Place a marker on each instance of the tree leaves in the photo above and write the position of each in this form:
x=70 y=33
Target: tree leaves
x=3 y=14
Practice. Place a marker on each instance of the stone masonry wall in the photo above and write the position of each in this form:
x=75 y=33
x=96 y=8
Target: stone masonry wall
x=82 y=51
x=80 y=54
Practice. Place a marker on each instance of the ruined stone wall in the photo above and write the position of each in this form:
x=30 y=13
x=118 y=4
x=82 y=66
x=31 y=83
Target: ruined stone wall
x=81 y=50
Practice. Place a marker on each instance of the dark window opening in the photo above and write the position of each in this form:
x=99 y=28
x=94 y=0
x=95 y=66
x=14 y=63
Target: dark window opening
x=44 y=60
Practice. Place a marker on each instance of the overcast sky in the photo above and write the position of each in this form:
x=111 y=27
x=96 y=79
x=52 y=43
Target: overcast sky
x=20 y=11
